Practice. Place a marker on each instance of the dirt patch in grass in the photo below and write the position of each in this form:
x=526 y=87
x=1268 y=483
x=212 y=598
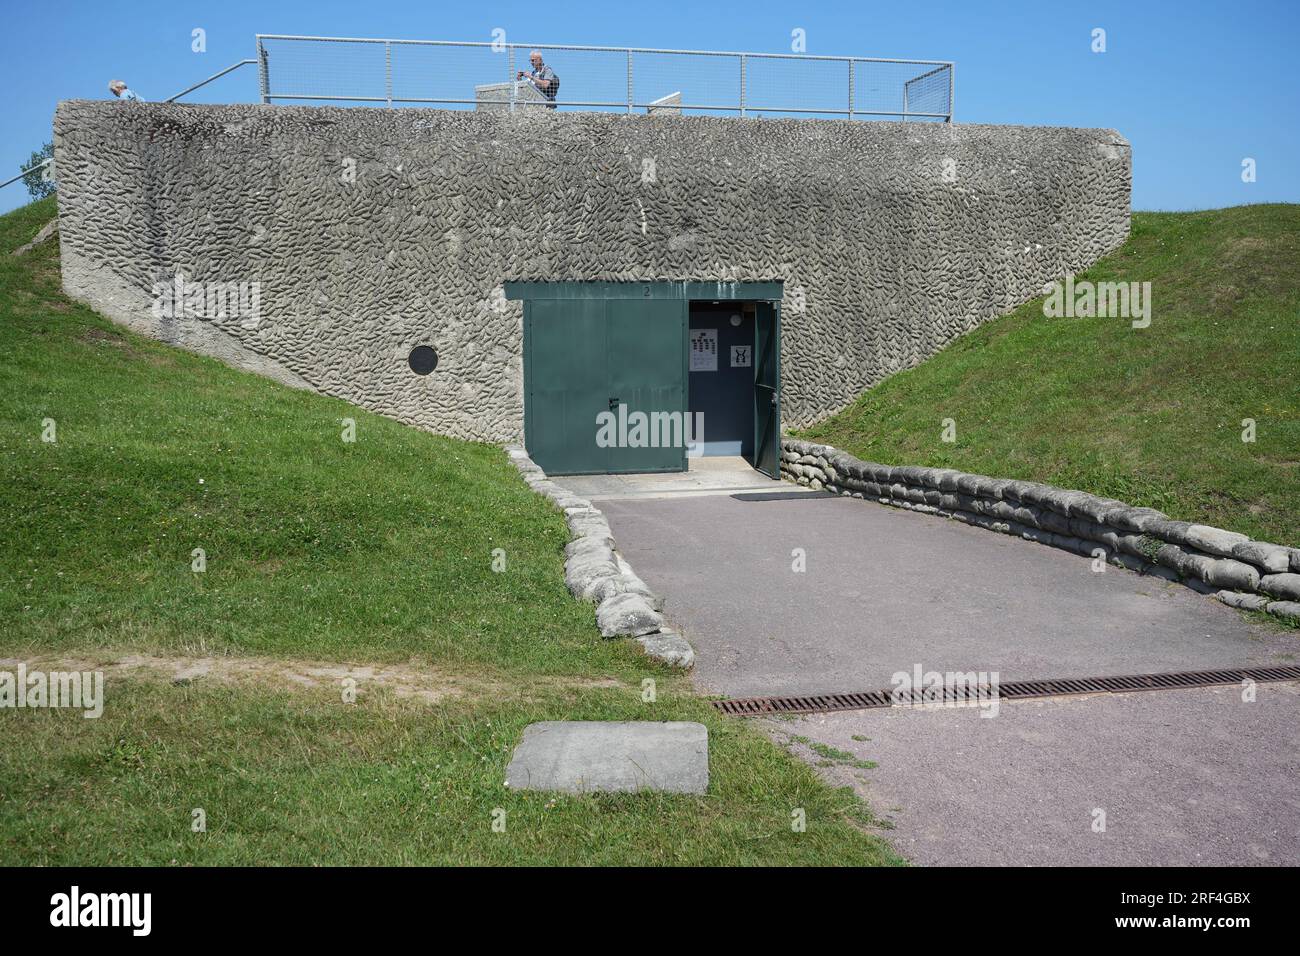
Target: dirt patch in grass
x=96 y=336
x=430 y=684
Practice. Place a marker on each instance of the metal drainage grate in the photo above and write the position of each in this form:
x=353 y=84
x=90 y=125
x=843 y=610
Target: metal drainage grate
x=1010 y=690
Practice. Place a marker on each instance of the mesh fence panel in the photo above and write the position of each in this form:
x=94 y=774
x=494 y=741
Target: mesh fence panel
x=334 y=70
x=466 y=75
x=703 y=80
x=883 y=87
x=793 y=84
x=929 y=92
x=446 y=72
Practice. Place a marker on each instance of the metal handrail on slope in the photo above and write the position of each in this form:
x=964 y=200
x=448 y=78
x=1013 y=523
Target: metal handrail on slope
x=214 y=76
x=40 y=165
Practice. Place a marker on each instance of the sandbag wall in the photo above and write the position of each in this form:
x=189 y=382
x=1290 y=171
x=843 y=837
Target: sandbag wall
x=1240 y=572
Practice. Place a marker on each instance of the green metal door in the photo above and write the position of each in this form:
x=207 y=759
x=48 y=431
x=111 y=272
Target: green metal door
x=767 y=389
x=567 y=387
x=646 y=357
x=605 y=383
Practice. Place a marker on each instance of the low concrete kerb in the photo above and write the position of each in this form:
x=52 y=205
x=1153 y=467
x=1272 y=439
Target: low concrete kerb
x=594 y=571
x=1240 y=572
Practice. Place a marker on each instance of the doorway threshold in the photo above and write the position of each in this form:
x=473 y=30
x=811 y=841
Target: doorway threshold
x=720 y=475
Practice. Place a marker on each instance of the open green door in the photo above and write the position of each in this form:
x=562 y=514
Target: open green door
x=767 y=389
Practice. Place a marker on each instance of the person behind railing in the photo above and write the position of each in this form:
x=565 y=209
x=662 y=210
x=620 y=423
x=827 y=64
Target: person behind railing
x=123 y=92
x=542 y=77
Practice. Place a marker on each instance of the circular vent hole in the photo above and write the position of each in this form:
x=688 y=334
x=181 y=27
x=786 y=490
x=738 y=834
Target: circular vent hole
x=423 y=359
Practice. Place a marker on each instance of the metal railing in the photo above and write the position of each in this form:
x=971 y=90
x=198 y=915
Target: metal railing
x=214 y=76
x=43 y=164
x=486 y=75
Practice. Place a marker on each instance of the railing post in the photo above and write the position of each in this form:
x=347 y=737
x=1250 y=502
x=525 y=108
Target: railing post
x=629 y=82
x=851 y=64
x=388 y=73
x=510 y=73
x=952 y=90
x=263 y=79
x=905 y=101
x=742 y=84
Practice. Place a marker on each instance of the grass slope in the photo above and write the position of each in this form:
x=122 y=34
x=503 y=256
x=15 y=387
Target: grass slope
x=381 y=547
x=1150 y=416
x=317 y=550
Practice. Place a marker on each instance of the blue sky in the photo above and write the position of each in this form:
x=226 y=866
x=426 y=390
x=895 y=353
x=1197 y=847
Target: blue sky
x=1195 y=86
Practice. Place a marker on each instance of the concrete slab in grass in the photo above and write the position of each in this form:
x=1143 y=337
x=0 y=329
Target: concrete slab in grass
x=584 y=756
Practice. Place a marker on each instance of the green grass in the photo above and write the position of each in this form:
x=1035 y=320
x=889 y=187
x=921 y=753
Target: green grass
x=376 y=552
x=298 y=778
x=833 y=755
x=1149 y=416
x=380 y=549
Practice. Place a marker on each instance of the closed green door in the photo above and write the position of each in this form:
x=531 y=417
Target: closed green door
x=767 y=389
x=566 y=382
x=646 y=354
x=605 y=383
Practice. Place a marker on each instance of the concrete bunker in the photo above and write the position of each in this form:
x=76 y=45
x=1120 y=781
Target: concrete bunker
x=389 y=249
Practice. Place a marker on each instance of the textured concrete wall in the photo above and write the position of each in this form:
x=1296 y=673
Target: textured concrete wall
x=891 y=238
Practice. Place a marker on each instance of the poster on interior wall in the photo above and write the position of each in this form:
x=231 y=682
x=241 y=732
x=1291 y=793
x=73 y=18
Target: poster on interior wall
x=704 y=350
x=741 y=356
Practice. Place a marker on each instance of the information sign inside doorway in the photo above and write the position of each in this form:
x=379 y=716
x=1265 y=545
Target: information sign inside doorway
x=704 y=350
x=741 y=356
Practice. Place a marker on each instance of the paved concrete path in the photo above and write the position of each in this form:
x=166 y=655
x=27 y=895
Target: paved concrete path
x=885 y=590
x=1184 y=777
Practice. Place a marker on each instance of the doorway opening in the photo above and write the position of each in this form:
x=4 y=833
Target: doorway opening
x=720 y=377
